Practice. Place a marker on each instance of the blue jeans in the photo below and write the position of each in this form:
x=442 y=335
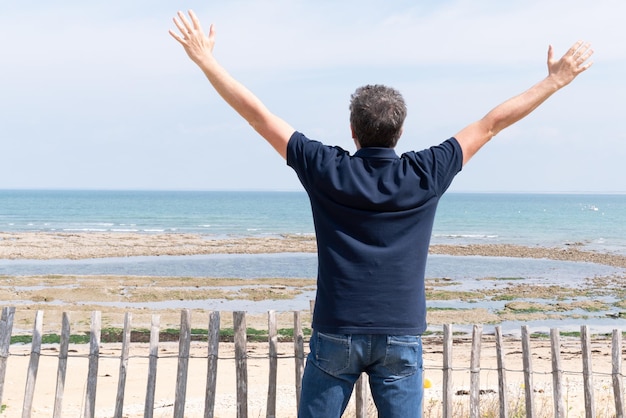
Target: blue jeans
x=393 y=363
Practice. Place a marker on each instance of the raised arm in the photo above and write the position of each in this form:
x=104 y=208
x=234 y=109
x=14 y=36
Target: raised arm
x=560 y=73
x=199 y=47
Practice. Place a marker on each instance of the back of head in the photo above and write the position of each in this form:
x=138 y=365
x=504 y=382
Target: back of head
x=377 y=114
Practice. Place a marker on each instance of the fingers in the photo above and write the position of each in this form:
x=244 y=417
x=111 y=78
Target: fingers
x=196 y=22
x=550 y=54
x=212 y=33
x=574 y=48
x=582 y=55
x=187 y=28
x=585 y=67
x=176 y=36
x=183 y=19
x=179 y=23
x=580 y=52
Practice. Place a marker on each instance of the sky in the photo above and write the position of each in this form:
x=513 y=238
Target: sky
x=97 y=95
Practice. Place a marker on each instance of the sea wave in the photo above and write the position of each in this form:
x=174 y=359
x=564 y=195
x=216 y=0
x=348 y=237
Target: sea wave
x=466 y=236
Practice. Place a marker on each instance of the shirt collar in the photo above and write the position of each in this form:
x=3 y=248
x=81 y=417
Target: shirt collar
x=376 y=152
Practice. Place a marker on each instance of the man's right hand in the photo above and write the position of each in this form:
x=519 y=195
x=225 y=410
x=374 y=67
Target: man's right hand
x=199 y=47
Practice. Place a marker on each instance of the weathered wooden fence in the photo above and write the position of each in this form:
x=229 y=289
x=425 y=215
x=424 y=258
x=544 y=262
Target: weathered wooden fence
x=445 y=407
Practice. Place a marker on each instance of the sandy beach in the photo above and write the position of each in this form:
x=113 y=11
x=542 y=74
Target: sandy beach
x=257 y=362
x=98 y=245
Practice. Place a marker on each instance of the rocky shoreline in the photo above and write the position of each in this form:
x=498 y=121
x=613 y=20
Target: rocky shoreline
x=48 y=245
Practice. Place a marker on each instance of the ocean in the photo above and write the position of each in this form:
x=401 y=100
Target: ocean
x=592 y=221
x=597 y=221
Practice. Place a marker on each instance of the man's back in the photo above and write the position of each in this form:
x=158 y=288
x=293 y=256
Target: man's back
x=373 y=215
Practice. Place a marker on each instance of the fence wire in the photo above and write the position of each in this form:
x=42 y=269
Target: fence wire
x=293 y=357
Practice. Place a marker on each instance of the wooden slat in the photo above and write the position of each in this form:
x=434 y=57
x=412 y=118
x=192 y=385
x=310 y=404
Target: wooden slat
x=273 y=364
x=298 y=347
x=447 y=371
x=360 y=396
x=590 y=408
x=33 y=366
x=6 y=328
x=92 y=374
x=213 y=342
x=241 y=363
x=184 y=347
x=62 y=368
x=618 y=377
x=477 y=333
x=121 y=384
x=502 y=388
x=152 y=367
x=557 y=374
x=528 y=373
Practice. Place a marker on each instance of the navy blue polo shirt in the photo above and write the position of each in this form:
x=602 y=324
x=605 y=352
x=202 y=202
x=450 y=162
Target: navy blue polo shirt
x=373 y=214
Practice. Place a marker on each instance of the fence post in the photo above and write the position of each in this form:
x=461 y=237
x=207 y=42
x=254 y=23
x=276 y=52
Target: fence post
x=62 y=369
x=528 y=373
x=557 y=374
x=273 y=360
x=590 y=408
x=477 y=333
x=447 y=371
x=213 y=340
x=241 y=363
x=148 y=411
x=6 y=327
x=184 y=343
x=360 y=396
x=618 y=383
x=298 y=348
x=92 y=375
x=121 y=385
x=502 y=389
x=33 y=365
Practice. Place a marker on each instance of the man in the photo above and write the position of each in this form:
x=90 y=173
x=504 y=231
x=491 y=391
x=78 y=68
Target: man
x=373 y=213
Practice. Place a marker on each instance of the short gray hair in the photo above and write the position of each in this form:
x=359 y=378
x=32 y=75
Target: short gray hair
x=377 y=114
